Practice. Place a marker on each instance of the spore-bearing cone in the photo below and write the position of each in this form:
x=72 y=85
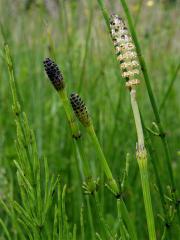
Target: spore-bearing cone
x=54 y=74
x=125 y=51
x=80 y=109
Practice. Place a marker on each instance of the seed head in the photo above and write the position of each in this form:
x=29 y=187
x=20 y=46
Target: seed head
x=80 y=109
x=125 y=50
x=54 y=74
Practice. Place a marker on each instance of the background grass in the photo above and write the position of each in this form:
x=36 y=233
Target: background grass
x=75 y=35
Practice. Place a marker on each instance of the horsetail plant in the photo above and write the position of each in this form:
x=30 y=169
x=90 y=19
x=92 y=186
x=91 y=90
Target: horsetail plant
x=57 y=80
x=31 y=217
x=161 y=132
x=156 y=111
x=127 y=57
x=83 y=115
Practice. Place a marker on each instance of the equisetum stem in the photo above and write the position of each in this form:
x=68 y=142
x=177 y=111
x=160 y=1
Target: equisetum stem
x=137 y=118
x=142 y=162
x=111 y=181
x=16 y=105
x=79 y=148
x=102 y=220
x=123 y=237
x=75 y=131
x=127 y=219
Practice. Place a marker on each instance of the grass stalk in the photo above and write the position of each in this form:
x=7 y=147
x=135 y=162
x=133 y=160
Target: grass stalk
x=86 y=50
x=166 y=95
x=104 y=12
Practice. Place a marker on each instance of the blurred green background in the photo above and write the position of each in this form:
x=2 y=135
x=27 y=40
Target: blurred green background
x=74 y=34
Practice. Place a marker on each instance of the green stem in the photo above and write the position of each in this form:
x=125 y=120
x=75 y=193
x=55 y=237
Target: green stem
x=79 y=148
x=16 y=105
x=104 y=224
x=169 y=88
x=104 y=12
x=90 y=217
x=85 y=58
x=128 y=220
x=154 y=158
x=111 y=181
x=137 y=119
x=75 y=130
x=142 y=162
x=154 y=161
x=122 y=233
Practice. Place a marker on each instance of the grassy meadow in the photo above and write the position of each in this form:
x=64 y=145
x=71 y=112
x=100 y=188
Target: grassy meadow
x=42 y=168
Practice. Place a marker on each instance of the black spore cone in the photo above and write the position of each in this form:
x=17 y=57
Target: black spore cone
x=54 y=74
x=80 y=109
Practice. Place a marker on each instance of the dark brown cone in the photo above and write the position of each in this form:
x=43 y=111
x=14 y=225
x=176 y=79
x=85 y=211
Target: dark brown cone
x=80 y=109
x=54 y=74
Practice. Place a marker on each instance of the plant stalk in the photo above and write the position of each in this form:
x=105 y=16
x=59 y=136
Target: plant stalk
x=143 y=167
x=111 y=181
x=79 y=148
x=112 y=184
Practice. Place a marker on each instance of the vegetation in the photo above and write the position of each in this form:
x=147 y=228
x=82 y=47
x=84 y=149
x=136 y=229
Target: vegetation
x=107 y=166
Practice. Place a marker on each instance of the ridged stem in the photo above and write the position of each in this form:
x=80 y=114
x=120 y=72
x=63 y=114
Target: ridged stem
x=102 y=220
x=112 y=183
x=128 y=220
x=123 y=237
x=75 y=130
x=78 y=145
x=16 y=105
x=142 y=162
